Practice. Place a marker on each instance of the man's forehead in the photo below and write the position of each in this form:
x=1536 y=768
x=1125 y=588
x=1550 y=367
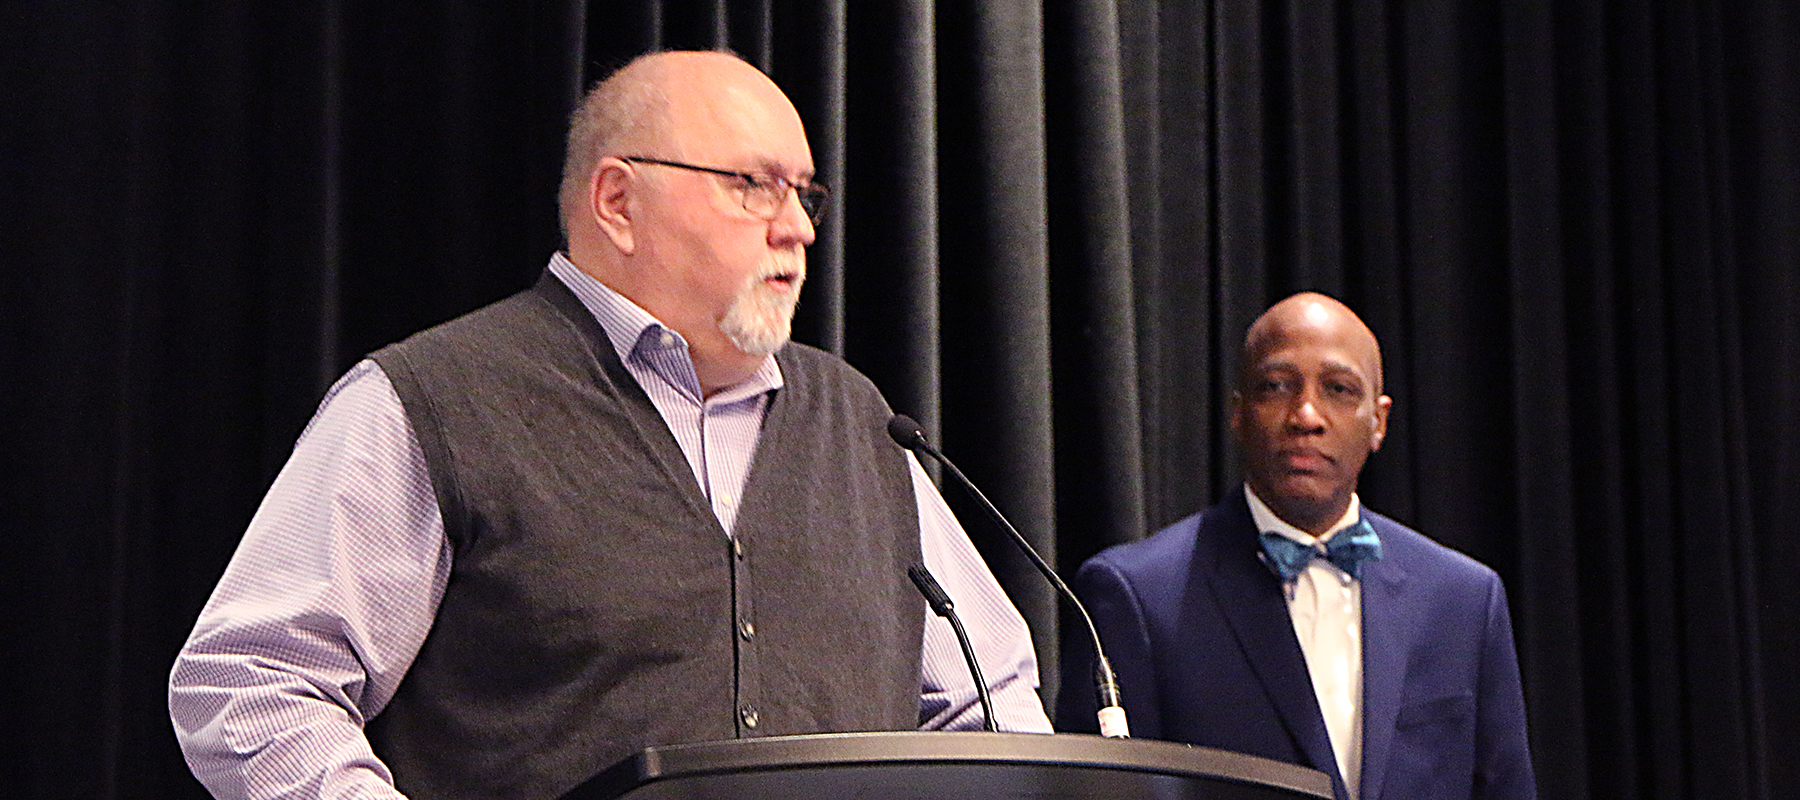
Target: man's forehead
x=767 y=139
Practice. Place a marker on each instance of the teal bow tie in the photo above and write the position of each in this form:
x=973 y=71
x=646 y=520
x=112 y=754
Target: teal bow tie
x=1349 y=550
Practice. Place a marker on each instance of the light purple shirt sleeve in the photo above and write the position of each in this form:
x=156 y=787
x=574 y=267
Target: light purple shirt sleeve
x=998 y=633
x=319 y=613
x=337 y=580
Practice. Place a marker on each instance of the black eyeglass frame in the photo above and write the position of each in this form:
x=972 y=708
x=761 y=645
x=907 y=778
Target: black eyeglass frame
x=812 y=196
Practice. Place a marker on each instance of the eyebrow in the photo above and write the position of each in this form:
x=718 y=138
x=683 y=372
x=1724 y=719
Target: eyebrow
x=779 y=170
x=1332 y=366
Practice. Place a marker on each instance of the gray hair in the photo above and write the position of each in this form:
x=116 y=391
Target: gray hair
x=623 y=111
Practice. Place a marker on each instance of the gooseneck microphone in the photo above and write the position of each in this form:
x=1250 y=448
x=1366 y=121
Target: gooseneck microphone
x=907 y=433
x=939 y=600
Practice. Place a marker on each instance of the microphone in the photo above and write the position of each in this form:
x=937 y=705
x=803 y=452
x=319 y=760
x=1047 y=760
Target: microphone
x=939 y=600
x=909 y=435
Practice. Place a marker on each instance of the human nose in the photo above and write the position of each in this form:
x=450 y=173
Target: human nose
x=791 y=224
x=1303 y=414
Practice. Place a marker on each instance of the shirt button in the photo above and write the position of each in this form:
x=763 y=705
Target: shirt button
x=749 y=716
x=667 y=339
x=747 y=629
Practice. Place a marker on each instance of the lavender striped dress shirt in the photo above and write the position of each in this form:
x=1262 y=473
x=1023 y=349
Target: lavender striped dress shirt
x=337 y=580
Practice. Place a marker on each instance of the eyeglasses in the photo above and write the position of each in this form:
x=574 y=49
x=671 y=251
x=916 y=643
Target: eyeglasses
x=763 y=194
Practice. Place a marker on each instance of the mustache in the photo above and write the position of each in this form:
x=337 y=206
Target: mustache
x=788 y=264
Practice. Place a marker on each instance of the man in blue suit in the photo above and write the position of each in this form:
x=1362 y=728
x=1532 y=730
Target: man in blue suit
x=1292 y=623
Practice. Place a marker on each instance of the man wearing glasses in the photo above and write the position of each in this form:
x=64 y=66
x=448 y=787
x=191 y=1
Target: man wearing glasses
x=615 y=510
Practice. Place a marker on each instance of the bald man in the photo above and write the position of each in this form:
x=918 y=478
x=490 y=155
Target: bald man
x=615 y=510
x=1293 y=623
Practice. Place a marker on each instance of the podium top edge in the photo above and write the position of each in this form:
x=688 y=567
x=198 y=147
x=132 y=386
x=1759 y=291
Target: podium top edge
x=1063 y=749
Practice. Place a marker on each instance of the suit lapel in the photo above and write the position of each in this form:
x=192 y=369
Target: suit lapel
x=1251 y=600
x=1387 y=625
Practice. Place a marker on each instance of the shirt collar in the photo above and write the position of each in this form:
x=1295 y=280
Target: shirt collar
x=1267 y=521
x=638 y=337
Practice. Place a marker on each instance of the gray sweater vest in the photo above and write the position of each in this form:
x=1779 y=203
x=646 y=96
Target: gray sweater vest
x=595 y=605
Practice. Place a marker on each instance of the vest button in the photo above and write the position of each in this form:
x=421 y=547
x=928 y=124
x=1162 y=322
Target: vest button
x=749 y=716
x=747 y=629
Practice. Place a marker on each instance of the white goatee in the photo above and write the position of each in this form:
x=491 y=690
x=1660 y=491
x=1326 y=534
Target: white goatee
x=761 y=318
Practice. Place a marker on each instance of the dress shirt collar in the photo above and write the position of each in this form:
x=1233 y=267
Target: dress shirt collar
x=637 y=337
x=1267 y=521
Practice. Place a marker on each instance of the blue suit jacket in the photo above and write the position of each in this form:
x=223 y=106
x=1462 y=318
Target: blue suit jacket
x=1199 y=633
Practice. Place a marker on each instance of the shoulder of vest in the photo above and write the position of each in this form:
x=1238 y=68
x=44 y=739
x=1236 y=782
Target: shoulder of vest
x=805 y=361
x=527 y=310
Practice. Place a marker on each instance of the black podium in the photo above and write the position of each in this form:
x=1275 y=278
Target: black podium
x=931 y=766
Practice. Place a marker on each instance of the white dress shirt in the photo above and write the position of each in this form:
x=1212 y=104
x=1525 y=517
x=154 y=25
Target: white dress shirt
x=1326 y=606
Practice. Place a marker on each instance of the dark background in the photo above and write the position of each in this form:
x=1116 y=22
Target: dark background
x=1575 y=226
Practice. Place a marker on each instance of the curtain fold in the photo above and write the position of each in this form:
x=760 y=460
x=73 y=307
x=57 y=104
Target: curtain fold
x=890 y=177
x=994 y=289
x=1574 y=226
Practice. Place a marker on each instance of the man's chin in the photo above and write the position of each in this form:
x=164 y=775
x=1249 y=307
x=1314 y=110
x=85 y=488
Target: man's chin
x=759 y=340
x=758 y=346
x=758 y=325
x=1300 y=498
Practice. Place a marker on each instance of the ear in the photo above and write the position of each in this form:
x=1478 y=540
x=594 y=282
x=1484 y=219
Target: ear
x=609 y=201
x=1383 y=405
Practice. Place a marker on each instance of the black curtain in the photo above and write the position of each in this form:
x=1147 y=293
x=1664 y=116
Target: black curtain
x=1574 y=225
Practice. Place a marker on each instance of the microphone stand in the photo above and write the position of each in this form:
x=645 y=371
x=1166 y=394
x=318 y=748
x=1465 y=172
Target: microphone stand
x=907 y=433
x=939 y=600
